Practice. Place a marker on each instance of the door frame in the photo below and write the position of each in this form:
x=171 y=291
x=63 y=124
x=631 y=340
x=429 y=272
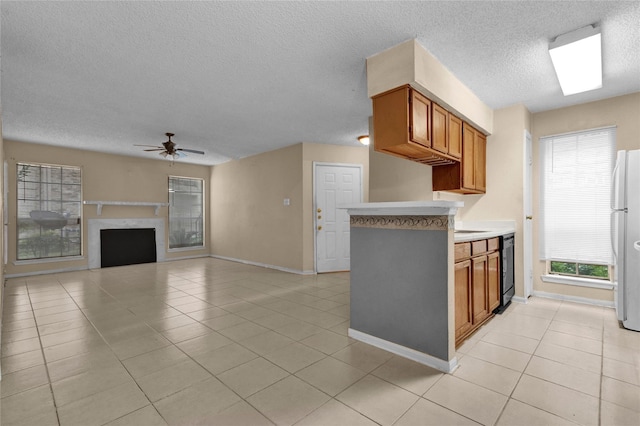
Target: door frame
x=527 y=225
x=314 y=206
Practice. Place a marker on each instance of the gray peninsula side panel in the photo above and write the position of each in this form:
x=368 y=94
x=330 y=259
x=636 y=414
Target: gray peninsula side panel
x=399 y=287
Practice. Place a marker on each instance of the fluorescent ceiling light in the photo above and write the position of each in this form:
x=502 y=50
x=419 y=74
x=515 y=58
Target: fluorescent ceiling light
x=577 y=58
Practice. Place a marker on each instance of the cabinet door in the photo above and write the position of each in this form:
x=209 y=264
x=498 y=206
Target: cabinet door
x=493 y=280
x=480 y=305
x=468 y=156
x=440 y=134
x=480 y=166
x=462 y=292
x=420 y=123
x=455 y=135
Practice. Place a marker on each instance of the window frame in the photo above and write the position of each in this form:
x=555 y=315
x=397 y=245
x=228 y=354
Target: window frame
x=203 y=215
x=49 y=259
x=555 y=277
x=577 y=274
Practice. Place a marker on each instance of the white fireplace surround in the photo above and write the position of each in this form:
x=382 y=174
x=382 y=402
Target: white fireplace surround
x=96 y=225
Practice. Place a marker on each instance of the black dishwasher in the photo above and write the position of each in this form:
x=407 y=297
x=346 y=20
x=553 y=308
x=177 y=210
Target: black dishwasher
x=507 y=280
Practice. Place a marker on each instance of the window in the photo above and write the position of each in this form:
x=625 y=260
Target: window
x=575 y=192
x=186 y=211
x=49 y=211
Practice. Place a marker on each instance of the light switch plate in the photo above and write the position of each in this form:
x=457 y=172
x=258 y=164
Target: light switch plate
x=287 y=201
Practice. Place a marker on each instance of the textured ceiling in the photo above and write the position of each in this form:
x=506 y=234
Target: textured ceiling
x=239 y=78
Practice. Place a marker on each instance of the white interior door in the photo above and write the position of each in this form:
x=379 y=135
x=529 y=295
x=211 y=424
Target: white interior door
x=528 y=216
x=334 y=185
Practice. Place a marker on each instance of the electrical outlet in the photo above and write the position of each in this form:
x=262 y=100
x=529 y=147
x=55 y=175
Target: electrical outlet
x=287 y=201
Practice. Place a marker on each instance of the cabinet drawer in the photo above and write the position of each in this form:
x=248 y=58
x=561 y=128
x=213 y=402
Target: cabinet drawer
x=462 y=251
x=478 y=247
x=493 y=244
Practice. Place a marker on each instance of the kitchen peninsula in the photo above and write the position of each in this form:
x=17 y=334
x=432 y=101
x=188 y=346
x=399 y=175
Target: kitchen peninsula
x=403 y=278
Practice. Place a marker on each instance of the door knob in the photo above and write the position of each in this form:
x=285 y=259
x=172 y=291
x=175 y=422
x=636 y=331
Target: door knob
x=319 y=228
x=319 y=217
x=319 y=210
x=529 y=217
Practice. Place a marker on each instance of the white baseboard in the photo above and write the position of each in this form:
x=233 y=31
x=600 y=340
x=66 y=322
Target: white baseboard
x=196 y=256
x=264 y=265
x=576 y=299
x=519 y=299
x=46 y=271
x=86 y=267
x=403 y=351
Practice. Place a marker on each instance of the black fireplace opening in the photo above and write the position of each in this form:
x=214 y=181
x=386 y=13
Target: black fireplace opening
x=119 y=247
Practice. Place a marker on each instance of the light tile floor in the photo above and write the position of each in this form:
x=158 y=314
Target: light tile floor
x=206 y=341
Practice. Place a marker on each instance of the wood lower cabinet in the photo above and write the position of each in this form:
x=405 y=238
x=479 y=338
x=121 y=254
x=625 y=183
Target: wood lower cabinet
x=480 y=300
x=493 y=280
x=464 y=321
x=477 y=285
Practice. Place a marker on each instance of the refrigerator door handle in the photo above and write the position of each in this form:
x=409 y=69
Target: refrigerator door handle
x=612 y=234
x=636 y=245
x=612 y=200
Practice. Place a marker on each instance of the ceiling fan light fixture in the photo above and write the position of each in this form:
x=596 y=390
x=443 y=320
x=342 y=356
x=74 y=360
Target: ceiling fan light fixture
x=364 y=140
x=577 y=59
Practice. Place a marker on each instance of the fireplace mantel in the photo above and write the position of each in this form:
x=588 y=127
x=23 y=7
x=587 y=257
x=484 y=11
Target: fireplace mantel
x=99 y=204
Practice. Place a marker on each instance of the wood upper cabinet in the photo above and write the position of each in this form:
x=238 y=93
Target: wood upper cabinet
x=420 y=123
x=480 y=162
x=439 y=119
x=455 y=136
x=447 y=132
x=402 y=126
x=468 y=176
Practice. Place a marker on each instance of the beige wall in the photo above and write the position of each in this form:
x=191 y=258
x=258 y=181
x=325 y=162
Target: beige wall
x=248 y=219
x=505 y=179
x=105 y=177
x=396 y=179
x=248 y=216
x=623 y=112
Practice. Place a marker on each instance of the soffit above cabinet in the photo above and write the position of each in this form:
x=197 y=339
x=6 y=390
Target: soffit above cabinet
x=409 y=63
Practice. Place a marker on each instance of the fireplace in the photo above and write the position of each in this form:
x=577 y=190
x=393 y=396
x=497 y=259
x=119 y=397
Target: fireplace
x=95 y=226
x=132 y=246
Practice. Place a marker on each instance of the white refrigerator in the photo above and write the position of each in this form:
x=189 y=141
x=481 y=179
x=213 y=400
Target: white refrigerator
x=625 y=203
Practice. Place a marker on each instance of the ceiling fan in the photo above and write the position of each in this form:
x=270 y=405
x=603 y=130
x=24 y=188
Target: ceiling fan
x=168 y=149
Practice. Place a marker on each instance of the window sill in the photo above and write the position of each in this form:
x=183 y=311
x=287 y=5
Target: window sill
x=47 y=260
x=179 y=249
x=581 y=282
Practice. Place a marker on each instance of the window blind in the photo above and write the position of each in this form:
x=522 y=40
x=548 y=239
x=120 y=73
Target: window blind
x=575 y=191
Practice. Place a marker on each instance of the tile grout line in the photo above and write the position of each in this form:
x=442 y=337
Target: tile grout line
x=46 y=366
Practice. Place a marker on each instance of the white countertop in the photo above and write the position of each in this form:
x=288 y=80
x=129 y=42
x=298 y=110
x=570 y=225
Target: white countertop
x=404 y=208
x=485 y=229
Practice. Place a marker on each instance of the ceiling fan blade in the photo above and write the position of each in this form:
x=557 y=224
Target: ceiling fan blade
x=151 y=146
x=193 y=151
x=156 y=149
